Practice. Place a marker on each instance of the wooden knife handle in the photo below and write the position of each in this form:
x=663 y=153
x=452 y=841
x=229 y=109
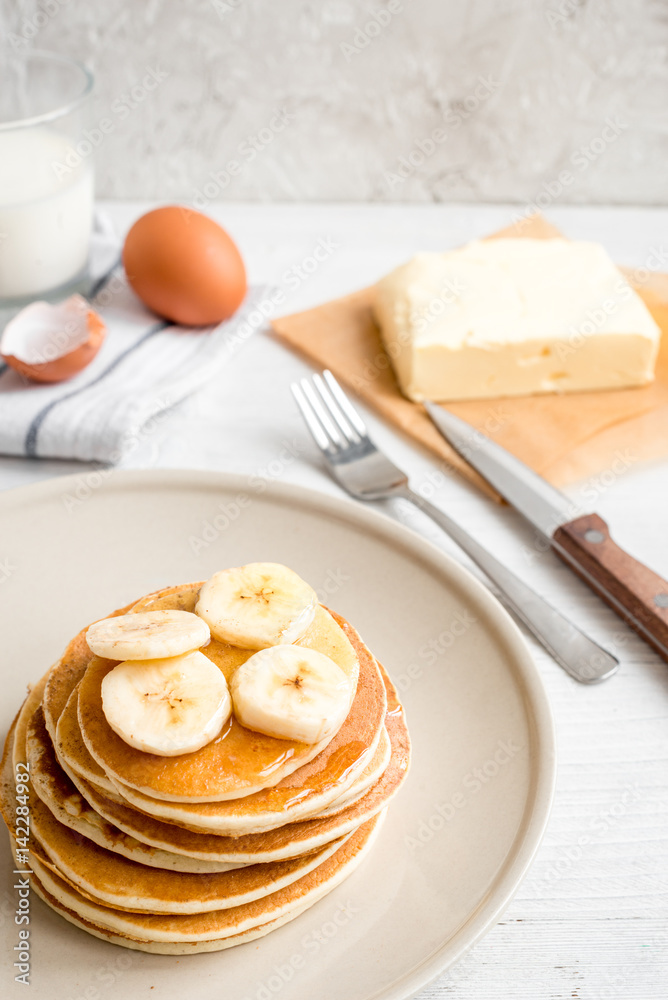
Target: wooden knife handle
x=636 y=593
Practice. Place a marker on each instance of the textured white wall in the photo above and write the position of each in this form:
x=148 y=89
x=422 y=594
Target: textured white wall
x=322 y=99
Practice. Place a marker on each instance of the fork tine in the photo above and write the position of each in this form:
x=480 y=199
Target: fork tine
x=324 y=418
x=310 y=419
x=345 y=404
x=334 y=411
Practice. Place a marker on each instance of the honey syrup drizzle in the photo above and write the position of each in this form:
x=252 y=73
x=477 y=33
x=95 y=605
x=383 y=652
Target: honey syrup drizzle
x=246 y=745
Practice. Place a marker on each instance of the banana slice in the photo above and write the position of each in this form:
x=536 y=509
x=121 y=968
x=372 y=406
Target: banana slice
x=167 y=706
x=149 y=635
x=258 y=605
x=291 y=692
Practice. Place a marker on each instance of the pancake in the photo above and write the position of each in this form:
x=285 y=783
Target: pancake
x=68 y=805
x=162 y=947
x=70 y=748
x=74 y=808
x=182 y=597
x=217 y=924
x=300 y=795
x=185 y=855
x=74 y=754
x=369 y=776
x=119 y=882
x=66 y=674
x=352 y=796
x=288 y=841
x=7 y=784
x=12 y=755
x=239 y=761
x=277 y=844
x=17 y=748
x=107 y=881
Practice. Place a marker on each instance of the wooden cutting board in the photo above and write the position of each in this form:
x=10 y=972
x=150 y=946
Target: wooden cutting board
x=565 y=437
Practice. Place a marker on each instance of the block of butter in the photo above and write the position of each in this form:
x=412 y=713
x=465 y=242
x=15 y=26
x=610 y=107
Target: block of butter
x=513 y=317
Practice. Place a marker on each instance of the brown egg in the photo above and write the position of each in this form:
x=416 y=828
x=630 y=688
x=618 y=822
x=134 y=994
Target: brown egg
x=51 y=343
x=184 y=266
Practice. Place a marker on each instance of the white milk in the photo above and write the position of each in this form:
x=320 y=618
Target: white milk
x=46 y=211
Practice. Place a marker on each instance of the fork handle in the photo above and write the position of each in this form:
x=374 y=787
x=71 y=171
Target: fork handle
x=579 y=655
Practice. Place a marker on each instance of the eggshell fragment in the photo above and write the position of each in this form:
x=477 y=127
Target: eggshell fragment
x=184 y=266
x=51 y=343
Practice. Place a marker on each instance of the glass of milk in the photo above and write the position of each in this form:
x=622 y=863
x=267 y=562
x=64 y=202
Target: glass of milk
x=46 y=178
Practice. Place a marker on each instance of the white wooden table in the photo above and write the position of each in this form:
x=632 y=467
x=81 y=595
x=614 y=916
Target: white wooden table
x=591 y=919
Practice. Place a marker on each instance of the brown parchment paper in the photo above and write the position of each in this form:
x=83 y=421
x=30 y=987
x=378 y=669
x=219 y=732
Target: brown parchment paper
x=565 y=437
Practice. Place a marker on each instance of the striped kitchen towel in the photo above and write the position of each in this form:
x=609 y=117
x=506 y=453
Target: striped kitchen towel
x=143 y=369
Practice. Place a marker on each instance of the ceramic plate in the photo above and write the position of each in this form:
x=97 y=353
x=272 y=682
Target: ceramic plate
x=461 y=833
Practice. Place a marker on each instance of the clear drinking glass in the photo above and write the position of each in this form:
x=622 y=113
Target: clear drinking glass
x=46 y=178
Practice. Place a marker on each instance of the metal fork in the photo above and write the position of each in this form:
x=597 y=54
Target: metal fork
x=367 y=474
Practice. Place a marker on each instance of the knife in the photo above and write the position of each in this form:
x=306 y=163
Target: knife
x=635 y=592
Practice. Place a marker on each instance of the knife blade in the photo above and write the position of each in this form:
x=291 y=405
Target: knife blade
x=635 y=592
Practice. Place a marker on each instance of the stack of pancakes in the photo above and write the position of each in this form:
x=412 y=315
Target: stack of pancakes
x=209 y=849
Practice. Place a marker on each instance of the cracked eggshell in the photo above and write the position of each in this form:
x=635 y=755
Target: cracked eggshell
x=51 y=343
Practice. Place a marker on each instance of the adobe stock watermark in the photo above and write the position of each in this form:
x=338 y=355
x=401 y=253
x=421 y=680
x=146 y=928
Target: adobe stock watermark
x=556 y=16
x=471 y=784
x=656 y=260
x=256 y=318
x=88 y=483
x=422 y=149
x=427 y=488
x=7 y=568
x=33 y=23
x=596 y=317
x=228 y=512
x=310 y=946
x=114 y=284
x=106 y=976
x=374 y=367
x=618 y=984
x=495 y=419
x=448 y=295
x=291 y=279
x=580 y=159
x=598 y=484
x=295 y=275
x=21 y=836
x=419 y=320
x=606 y=819
x=371 y=29
x=120 y=109
x=458 y=973
x=590 y=492
x=429 y=485
x=428 y=654
x=225 y=7
x=248 y=150
x=334 y=580
x=59 y=343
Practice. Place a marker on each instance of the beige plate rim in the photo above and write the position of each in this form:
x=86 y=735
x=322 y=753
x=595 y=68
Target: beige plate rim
x=483 y=916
